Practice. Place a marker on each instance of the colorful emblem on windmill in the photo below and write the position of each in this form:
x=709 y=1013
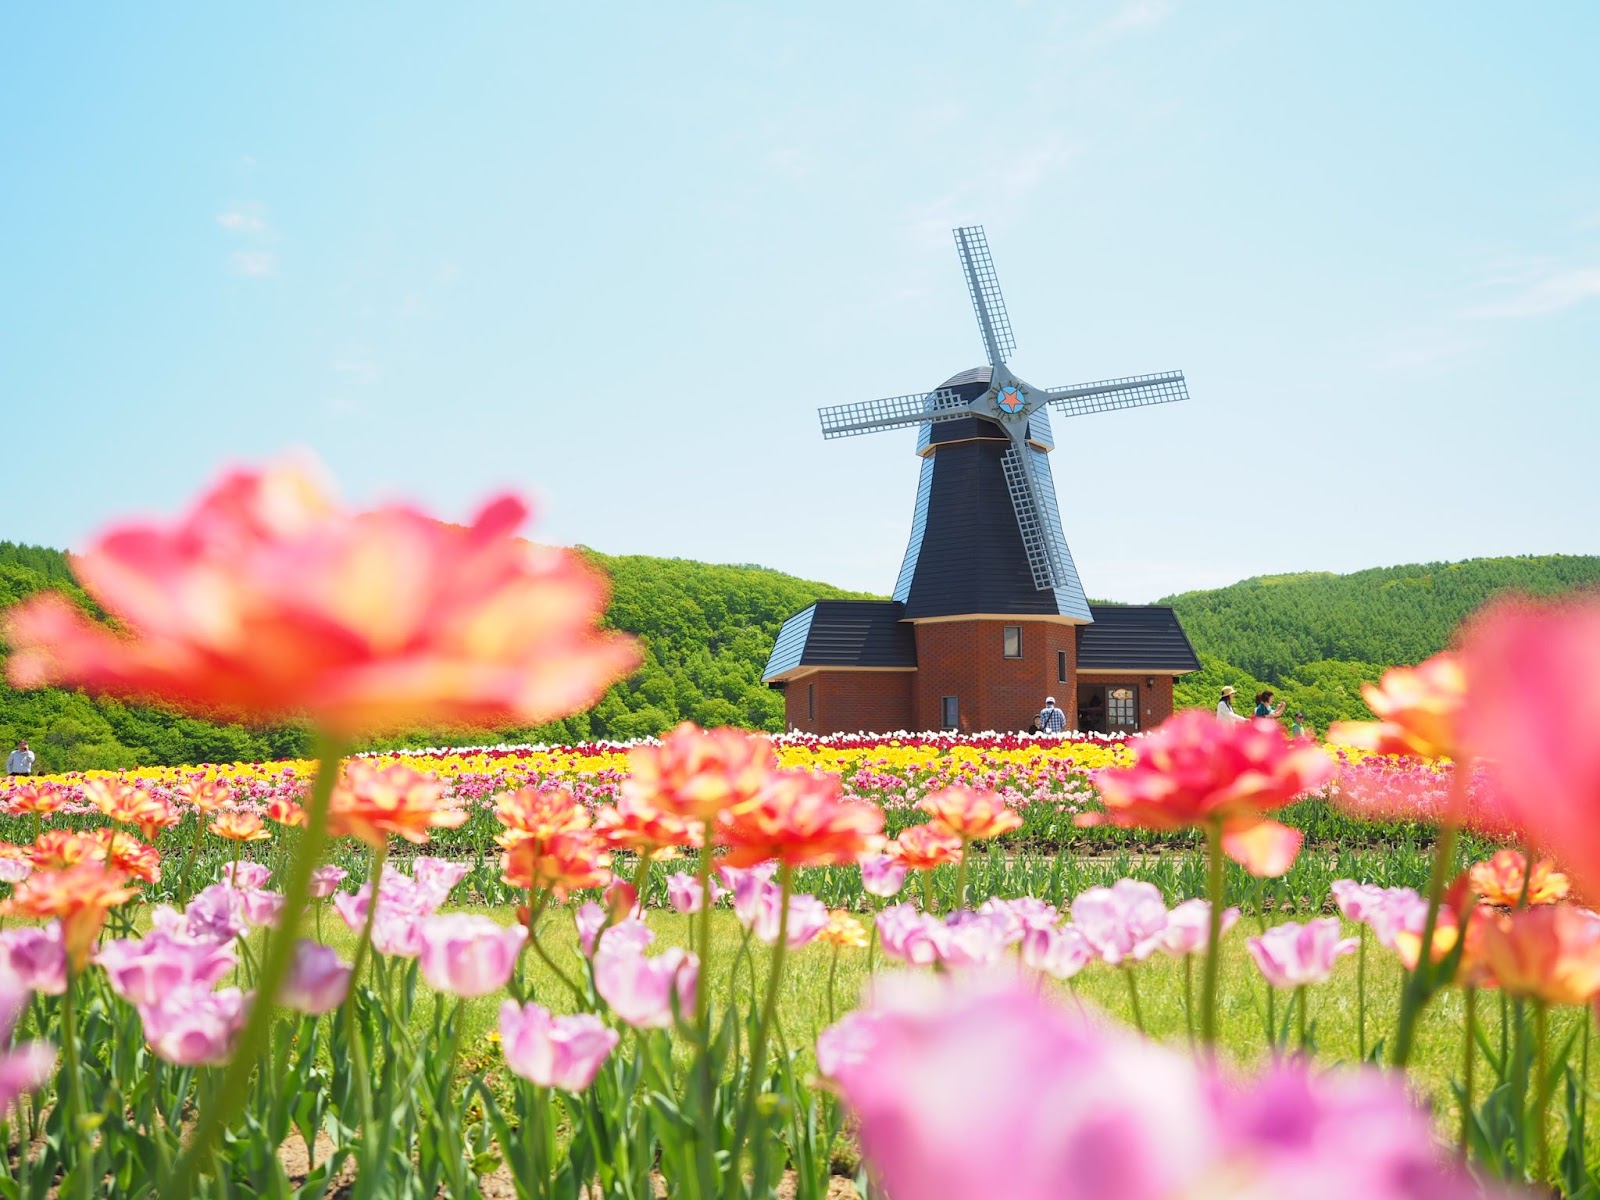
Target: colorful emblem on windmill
x=1010 y=400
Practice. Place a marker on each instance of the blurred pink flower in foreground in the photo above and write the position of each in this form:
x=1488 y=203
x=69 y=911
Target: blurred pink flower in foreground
x=1534 y=708
x=266 y=599
x=468 y=955
x=1060 y=953
x=1125 y=921
x=23 y=1068
x=36 y=956
x=318 y=979
x=560 y=1052
x=1291 y=955
x=147 y=970
x=910 y=935
x=976 y=1085
x=882 y=875
x=193 y=1026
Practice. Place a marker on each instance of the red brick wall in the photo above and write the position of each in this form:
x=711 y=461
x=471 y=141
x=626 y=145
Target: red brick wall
x=966 y=659
x=1155 y=702
x=850 y=701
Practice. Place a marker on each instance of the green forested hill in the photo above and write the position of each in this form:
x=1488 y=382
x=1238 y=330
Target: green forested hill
x=1315 y=638
x=708 y=629
x=707 y=632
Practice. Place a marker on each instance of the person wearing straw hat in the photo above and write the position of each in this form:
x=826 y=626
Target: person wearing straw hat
x=1225 y=706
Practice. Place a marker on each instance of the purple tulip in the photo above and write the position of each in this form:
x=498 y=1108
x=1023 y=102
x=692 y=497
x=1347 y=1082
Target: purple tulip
x=193 y=1026
x=23 y=1068
x=436 y=878
x=641 y=991
x=882 y=876
x=1022 y=914
x=910 y=936
x=35 y=955
x=560 y=1052
x=628 y=936
x=468 y=955
x=683 y=892
x=1189 y=927
x=1060 y=953
x=325 y=881
x=146 y=970
x=14 y=870
x=261 y=907
x=245 y=876
x=847 y=1043
x=318 y=980
x=216 y=914
x=1122 y=922
x=973 y=939
x=808 y=917
x=1388 y=911
x=1291 y=955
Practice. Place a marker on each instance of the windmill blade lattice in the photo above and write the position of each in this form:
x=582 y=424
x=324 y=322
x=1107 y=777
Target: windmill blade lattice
x=1036 y=538
x=1133 y=391
x=868 y=416
x=984 y=286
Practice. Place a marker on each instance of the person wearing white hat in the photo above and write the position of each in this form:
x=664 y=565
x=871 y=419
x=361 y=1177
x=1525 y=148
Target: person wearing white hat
x=1051 y=719
x=1225 y=706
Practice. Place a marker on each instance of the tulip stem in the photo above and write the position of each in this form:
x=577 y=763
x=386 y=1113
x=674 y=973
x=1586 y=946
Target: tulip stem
x=1208 y=999
x=69 y=1048
x=833 y=974
x=961 y=877
x=769 y=1009
x=1188 y=997
x=535 y=912
x=1541 y=1084
x=235 y=1085
x=1133 y=998
x=1419 y=986
x=1361 y=994
x=185 y=888
x=1469 y=1053
x=927 y=891
x=1300 y=1004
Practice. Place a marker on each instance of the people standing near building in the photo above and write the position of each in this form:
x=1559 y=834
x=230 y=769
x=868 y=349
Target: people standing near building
x=1264 y=705
x=20 y=761
x=1051 y=719
x=1225 y=706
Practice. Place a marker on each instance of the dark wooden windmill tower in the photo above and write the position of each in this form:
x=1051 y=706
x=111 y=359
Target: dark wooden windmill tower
x=988 y=616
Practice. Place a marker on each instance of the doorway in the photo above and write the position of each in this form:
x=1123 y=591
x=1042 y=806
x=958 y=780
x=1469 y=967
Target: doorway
x=1108 y=708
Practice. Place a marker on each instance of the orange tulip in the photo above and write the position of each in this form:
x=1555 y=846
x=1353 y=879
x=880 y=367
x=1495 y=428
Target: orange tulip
x=205 y=795
x=127 y=804
x=239 y=826
x=266 y=600
x=285 y=811
x=39 y=799
x=121 y=851
x=1418 y=709
x=1501 y=880
x=632 y=824
x=843 y=929
x=969 y=814
x=923 y=847
x=57 y=848
x=1551 y=953
x=534 y=814
x=800 y=820
x=79 y=897
x=372 y=804
x=697 y=775
x=561 y=863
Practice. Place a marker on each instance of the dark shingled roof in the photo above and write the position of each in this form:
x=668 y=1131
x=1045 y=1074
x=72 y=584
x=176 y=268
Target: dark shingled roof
x=844 y=633
x=1135 y=637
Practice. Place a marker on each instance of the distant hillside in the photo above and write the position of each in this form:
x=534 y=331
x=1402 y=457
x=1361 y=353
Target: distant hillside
x=708 y=630
x=1316 y=637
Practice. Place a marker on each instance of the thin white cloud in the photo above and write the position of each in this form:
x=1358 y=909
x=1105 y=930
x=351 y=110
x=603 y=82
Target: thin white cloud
x=1136 y=16
x=358 y=367
x=237 y=221
x=1552 y=290
x=254 y=264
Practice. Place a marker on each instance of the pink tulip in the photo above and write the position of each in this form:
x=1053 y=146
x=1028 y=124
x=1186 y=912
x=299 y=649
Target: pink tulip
x=14 y=870
x=629 y=936
x=974 y=1086
x=1124 y=921
x=1533 y=706
x=436 y=878
x=23 y=1068
x=1189 y=927
x=261 y=907
x=808 y=917
x=325 y=881
x=846 y=1044
x=318 y=980
x=215 y=914
x=246 y=875
x=193 y=1026
x=147 y=970
x=683 y=892
x=910 y=936
x=35 y=956
x=1387 y=911
x=642 y=991
x=468 y=955
x=560 y=1052
x=1022 y=914
x=1290 y=955
x=882 y=876
x=1059 y=952
x=973 y=939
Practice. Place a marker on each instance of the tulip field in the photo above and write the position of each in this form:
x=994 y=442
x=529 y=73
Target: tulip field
x=1209 y=960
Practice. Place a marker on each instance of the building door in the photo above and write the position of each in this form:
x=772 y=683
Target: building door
x=1108 y=708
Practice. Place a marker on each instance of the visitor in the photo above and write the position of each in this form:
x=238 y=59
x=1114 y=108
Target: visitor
x=1264 y=705
x=20 y=760
x=1225 y=706
x=1302 y=729
x=1051 y=719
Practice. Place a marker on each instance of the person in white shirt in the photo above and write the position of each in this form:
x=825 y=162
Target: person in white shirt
x=1051 y=719
x=1225 y=706
x=20 y=760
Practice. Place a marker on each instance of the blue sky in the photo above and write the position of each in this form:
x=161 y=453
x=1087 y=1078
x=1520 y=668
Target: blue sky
x=615 y=256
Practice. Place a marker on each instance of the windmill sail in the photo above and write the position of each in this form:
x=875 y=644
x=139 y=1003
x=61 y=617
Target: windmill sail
x=984 y=286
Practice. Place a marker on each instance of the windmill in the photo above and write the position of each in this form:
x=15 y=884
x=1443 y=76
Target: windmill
x=971 y=415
